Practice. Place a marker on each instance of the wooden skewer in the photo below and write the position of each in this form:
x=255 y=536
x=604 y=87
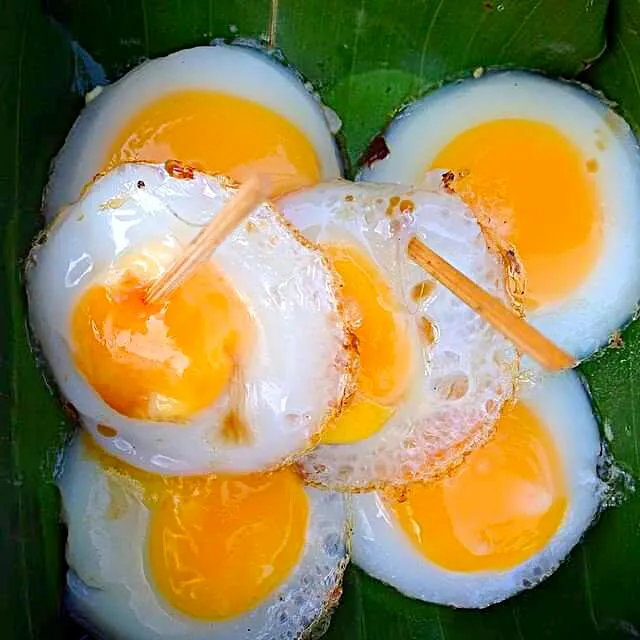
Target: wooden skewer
x=255 y=190
x=527 y=339
x=250 y=194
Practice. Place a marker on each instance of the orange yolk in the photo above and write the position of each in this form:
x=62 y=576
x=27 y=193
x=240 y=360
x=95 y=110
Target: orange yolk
x=384 y=347
x=216 y=546
x=161 y=361
x=529 y=183
x=219 y=134
x=501 y=507
x=219 y=547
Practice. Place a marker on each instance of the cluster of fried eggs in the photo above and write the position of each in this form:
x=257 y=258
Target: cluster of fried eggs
x=310 y=337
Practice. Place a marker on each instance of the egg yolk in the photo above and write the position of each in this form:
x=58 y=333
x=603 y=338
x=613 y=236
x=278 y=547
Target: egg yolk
x=216 y=546
x=528 y=182
x=160 y=361
x=501 y=507
x=219 y=134
x=383 y=344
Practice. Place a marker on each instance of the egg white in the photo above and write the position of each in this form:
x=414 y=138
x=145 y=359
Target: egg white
x=382 y=549
x=429 y=432
x=298 y=370
x=107 y=583
x=242 y=71
x=607 y=298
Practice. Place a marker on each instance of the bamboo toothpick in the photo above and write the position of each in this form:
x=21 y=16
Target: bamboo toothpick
x=527 y=339
x=250 y=195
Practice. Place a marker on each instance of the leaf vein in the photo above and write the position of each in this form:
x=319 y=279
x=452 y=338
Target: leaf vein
x=632 y=69
x=632 y=405
x=587 y=588
x=473 y=37
x=516 y=619
x=516 y=33
x=145 y=26
x=425 y=45
x=443 y=635
x=356 y=42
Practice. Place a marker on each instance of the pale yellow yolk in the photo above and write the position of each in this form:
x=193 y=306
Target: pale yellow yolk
x=161 y=361
x=500 y=508
x=219 y=134
x=528 y=182
x=383 y=344
x=217 y=546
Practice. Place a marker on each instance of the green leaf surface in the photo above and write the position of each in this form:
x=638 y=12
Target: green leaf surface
x=366 y=58
x=617 y=73
x=36 y=107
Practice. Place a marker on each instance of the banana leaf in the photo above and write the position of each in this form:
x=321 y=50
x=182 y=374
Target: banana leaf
x=366 y=58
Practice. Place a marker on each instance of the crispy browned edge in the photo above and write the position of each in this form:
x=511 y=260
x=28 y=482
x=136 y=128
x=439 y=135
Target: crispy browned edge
x=349 y=344
x=484 y=432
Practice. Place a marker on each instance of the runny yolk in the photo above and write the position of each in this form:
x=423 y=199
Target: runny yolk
x=383 y=344
x=161 y=361
x=219 y=134
x=216 y=546
x=501 y=507
x=531 y=185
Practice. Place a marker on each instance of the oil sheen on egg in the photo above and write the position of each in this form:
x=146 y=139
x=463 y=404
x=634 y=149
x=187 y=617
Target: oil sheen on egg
x=229 y=110
x=239 y=370
x=432 y=374
x=506 y=518
x=228 y=557
x=551 y=170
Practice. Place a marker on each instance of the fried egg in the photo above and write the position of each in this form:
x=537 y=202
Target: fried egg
x=230 y=110
x=255 y=556
x=506 y=518
x=239 y=370
x=554 y=172
x=433 y=375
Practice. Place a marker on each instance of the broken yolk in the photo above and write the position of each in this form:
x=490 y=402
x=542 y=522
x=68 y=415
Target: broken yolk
x=501 y=507
x=526 y=181
x=219 y=134
x=162 y=361
x=217 y=546
x=383 y=344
